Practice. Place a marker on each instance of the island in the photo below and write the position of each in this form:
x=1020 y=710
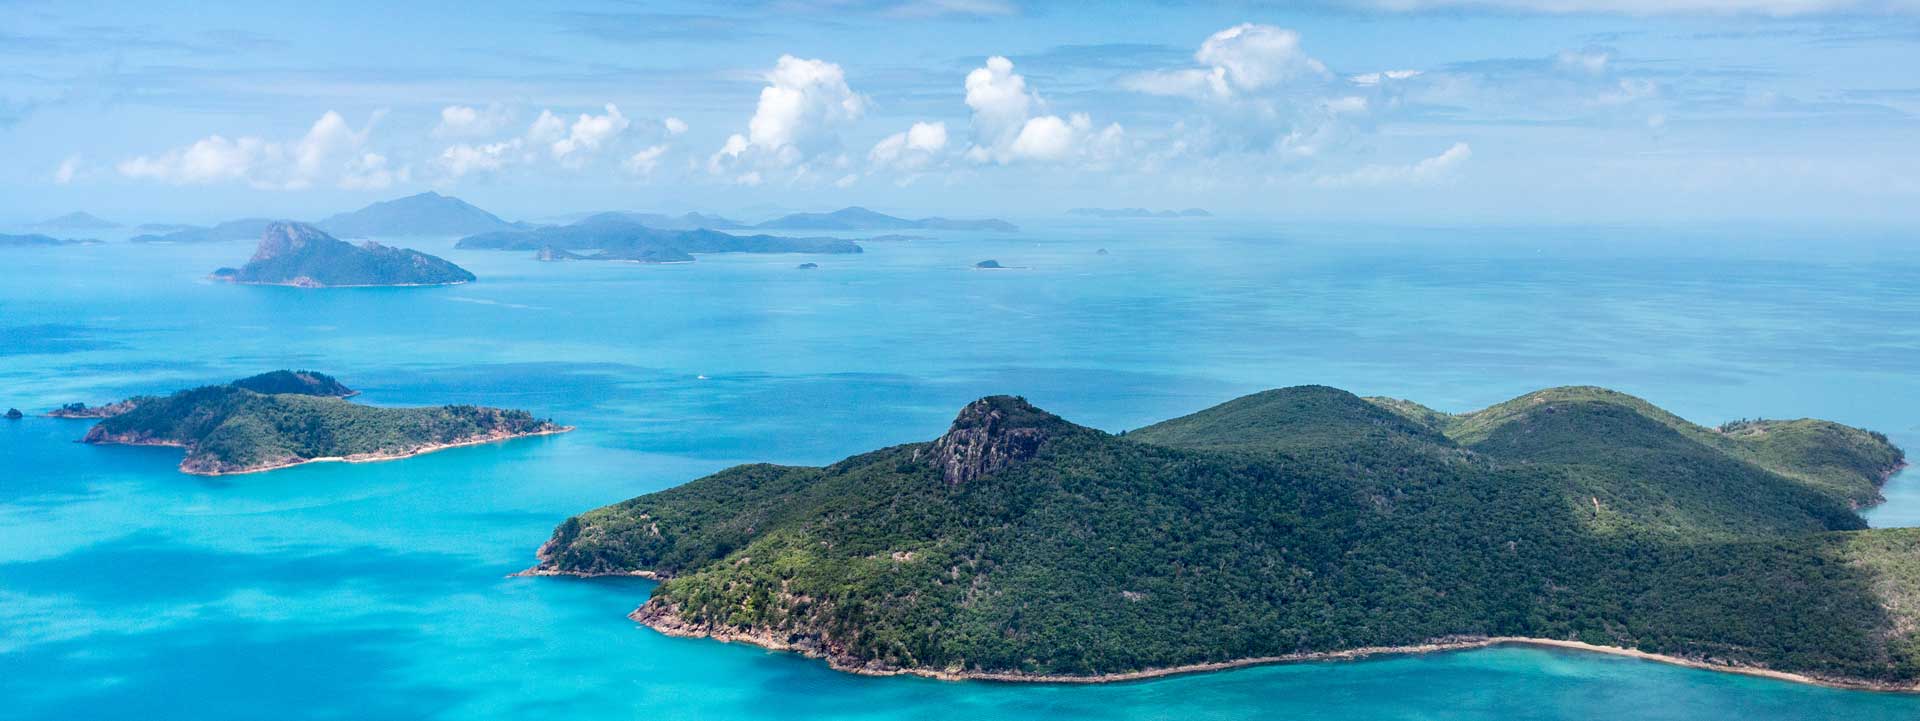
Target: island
x=989 y=265
x=615 y=237
x=232 y=230
x=287 y=418
x=858 y=218
x=303 y=382
x=14 y=414
x=300 y=255
x=1294 y=524
x=77 y=220
x=426 y=213
x=807 y=266
x=36 y=239
x=1139 y=213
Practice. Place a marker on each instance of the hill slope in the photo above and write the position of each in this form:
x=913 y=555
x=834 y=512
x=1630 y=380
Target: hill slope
x=426 y=213
x=1297 y=521
x=301 y=255
x=286 y=418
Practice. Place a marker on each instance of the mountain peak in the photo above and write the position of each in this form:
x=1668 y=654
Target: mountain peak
x=989 y=435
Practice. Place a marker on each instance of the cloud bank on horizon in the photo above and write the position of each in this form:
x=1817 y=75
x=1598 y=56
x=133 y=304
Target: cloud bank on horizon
x=1602 y=107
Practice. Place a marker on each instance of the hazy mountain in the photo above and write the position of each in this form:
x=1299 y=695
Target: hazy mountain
x=242 y=229
x=427 y=213
x=78 y=220
x=857 y=218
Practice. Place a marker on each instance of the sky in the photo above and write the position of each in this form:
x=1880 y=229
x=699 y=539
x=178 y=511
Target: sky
x=1495 y=111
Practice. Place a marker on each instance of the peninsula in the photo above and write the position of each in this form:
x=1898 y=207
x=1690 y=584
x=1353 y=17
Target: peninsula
x=1294 y=524
x=286 y=418
x=304 y=256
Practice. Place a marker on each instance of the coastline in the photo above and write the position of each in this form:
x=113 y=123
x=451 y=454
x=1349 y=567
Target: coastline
x=356 y=458
x=668 y=622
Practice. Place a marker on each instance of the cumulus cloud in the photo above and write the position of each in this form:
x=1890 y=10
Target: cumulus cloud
x=549 y=136
x=588 y=134
x=913 y=149
x=1240 y=59
x=797 y=121
x=643 y=162
x=465 y=121
x=674 y=126
x=331 y=152
x=1425 y=171
x=1008 y=125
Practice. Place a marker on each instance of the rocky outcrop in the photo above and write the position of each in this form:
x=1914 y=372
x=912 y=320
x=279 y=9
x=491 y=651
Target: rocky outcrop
x=301 y=255
x=13 y=414
x=990 y=434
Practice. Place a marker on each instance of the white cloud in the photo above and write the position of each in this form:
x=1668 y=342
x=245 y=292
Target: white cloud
x=643 y=162
x=546 y=129
x=1372 y=79
x=1245 y=58
x=1006 y=128
x=331 y=152
x=460 y=160
x=797 y=121
x=464 y=121
x=1428 y=170
x=68 y=169
x=588 y=134
x=674 y=126
x=912 y=149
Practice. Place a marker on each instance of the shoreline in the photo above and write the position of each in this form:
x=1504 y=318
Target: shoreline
x=667 y=622
x=356 y=458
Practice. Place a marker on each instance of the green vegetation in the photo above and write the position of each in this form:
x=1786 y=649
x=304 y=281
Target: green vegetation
x=1290 y=521
x=301 y=416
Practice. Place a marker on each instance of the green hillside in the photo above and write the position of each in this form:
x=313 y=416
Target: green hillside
x=301 y=416
x=1297 y=520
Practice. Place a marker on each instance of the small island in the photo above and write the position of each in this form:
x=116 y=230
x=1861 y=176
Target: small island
x=807 y=266
x=286 y=418
x=1295 y=524
x=989 y=265
x=858 y=218
x=36 y=239
x=303 y=256
x=619 y=237
x=14 y=414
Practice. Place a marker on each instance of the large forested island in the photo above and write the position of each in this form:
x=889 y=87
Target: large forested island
x=1291 y=524
x=286 y=418
x=301 y=255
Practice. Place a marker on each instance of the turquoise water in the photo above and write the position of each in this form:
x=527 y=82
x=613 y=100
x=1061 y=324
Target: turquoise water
x=371 y=591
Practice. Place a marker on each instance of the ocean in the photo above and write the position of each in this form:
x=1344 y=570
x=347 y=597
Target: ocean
x=381 y=590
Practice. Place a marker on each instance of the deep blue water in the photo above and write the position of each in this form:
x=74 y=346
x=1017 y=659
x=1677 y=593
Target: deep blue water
x=369 y=591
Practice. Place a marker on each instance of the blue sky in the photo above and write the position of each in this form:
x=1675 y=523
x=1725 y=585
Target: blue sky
x=1408 y=110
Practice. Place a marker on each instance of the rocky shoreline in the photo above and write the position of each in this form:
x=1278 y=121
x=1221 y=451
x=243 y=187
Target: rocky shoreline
x=189 y=467
x=665 y=619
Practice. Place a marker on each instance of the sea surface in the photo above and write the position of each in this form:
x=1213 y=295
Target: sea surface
x=381 y=590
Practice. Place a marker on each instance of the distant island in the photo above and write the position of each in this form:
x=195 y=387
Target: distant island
x=1139 y=213
x=661 y=221
x=14 y=414
x=426 y=213
x=989 y=265
x=78 y=220
x=1294 y=524
x=615 y=237
x=286 y=418
x=232 y=230
x=36 y=239
x=301 y=255
x=857 y=218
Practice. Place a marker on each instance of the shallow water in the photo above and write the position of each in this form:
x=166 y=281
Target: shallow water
x=379 y=591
